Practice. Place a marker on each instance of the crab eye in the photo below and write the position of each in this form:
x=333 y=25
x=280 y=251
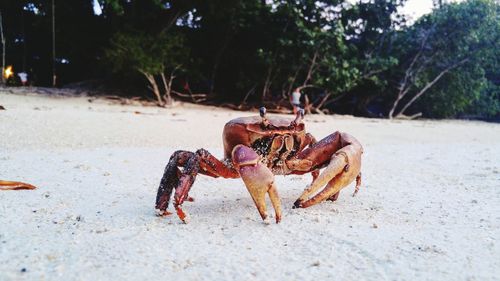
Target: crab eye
x=262 y=112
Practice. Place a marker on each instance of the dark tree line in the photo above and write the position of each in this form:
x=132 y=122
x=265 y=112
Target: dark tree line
x=363 y=59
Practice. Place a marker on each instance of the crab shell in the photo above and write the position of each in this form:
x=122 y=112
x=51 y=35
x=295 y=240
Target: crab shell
x=247 y=130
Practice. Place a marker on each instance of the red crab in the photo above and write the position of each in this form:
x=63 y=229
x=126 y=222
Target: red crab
x=256 y=149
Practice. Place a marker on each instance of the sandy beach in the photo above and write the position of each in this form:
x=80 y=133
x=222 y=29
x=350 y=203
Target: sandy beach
x=428 y=209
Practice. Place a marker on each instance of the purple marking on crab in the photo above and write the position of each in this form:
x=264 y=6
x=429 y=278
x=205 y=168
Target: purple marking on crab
x=244 y=155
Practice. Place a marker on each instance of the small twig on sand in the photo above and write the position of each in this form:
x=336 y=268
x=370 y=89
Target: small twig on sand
x=410 y=117
x=195 y=97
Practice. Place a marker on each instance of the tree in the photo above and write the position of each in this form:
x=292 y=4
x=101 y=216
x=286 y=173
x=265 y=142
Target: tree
x=53 y=15
x=357 y=57
x=2 y=39
x=146 y=41
x=149 y=55
x=456 y=37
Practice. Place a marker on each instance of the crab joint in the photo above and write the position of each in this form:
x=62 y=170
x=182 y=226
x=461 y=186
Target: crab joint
x=258 y=179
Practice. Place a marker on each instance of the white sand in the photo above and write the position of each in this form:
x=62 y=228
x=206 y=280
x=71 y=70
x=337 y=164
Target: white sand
x=429 y=207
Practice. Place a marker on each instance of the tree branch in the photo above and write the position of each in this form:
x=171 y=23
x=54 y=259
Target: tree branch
x=430 y=84
x=409 y=74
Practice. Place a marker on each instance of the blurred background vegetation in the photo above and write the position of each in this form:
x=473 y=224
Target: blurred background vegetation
x=351 y=57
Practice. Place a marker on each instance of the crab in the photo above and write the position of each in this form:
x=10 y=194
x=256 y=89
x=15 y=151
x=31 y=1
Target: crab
x=257 y=148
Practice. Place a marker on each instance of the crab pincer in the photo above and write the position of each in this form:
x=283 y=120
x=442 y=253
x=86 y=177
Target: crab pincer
x=258 y=179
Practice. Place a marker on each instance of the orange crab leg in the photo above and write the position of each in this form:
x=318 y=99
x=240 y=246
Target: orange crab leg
x=15 y=185
x=358 y=184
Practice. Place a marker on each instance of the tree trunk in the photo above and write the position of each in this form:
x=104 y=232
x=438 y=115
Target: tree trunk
x=153 y=86
x=290 y=87
x=2 y=79
x=391 y=112
x=430 y=84
x=406 y=82
x=401 y=94
x=251 y=91
x=54 y=77
x=267 y=84
x=307 y=105
x=323 y=100
x=168 y=87
x=218 y=58
x=311 y=69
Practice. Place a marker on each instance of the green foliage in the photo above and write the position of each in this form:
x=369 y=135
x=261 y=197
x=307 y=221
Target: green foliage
x=352 y=56
x=455 y=94
x=142 y=52
x=462 y=37
x=488 y=103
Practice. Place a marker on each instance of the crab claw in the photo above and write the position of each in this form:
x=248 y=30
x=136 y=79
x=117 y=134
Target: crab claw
x=258 y=179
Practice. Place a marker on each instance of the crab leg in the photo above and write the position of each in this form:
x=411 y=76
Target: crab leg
x=258 y=179
x=358 y=184
x=213 y=167
x=311 y=140
x=186 y=180
x=192 y=163
x=170 y=179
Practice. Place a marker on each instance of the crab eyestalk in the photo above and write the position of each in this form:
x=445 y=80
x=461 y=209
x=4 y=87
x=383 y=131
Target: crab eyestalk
x=258 y=179
x=298 y=118
x=262 y=112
